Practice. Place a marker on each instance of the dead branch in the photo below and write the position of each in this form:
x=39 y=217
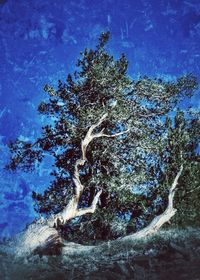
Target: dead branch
x=160 y=220
x=71 y=210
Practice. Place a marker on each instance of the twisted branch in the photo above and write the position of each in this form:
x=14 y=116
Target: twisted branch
x=71 y=210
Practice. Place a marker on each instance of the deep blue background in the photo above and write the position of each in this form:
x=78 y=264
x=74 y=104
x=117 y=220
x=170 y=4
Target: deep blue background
x=40 y=41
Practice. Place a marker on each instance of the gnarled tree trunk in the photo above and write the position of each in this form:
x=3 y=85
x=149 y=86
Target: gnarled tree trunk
x=42 y=236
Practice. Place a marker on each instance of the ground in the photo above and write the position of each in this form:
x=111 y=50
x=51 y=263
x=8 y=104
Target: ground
x=169 y=254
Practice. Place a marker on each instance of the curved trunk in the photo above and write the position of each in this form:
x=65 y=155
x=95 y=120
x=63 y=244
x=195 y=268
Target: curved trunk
x=43 y=237
x=163 y=218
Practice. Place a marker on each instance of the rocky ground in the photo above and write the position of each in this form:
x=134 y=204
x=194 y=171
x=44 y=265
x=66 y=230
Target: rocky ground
x=172 y=254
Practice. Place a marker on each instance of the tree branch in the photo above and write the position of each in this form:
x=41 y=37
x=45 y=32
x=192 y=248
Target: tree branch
x=92 y=208
x=160 y=220
x=71 y=210
x=173 y=188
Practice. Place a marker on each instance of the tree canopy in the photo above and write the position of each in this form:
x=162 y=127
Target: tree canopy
x=132 y=164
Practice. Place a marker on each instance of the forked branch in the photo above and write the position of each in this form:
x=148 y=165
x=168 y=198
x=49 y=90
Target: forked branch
x=71 y=210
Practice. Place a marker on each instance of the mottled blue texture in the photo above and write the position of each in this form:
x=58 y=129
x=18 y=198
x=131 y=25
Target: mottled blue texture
x=40 y=42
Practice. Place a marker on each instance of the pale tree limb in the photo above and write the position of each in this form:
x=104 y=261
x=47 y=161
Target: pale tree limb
x=92 y=208
x=193 y=190
x=160 y=220
x=72 y=210
x=116 y=134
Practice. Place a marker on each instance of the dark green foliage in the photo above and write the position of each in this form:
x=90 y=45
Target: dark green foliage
x=183 y=146
x=131 y=168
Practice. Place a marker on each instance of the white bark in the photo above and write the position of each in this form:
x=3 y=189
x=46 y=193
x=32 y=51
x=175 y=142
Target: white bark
x=71 y=210
x=160 y=220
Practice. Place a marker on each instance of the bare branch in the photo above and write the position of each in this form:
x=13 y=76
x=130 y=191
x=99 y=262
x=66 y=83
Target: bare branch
x=89 y=136
x=92 y=208
x=160 y=220
x=172 y=189
x=193 y=190
x=115 y=135
x=71 y=210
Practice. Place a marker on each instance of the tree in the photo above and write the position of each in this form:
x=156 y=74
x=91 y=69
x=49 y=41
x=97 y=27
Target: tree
x=105 y=133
